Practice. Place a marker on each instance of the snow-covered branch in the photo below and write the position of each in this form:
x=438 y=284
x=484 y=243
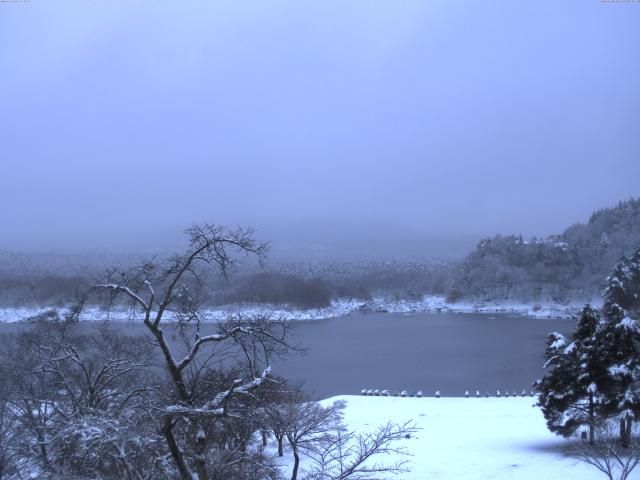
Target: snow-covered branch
x=127 y=291
x=218 y=405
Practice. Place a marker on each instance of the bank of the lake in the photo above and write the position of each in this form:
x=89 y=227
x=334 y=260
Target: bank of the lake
x=340 y=308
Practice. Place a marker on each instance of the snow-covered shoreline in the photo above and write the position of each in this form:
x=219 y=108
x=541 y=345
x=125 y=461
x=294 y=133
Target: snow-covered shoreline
x=440 y=304
x=338 y=308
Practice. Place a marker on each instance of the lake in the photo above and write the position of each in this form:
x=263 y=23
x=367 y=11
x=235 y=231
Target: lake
x=424 y=351
x=421 y=351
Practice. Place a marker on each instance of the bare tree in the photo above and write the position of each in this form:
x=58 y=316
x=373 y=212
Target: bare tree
x=275 y=414
x=92 y=402
x=7 y=466
x=354 y=455
x=167 y=294
x=73 y=398
x=308 y=426
x=615 y=458
x=277 y=421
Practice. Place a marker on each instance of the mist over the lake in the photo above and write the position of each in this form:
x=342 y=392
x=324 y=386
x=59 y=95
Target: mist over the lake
x=418 y=127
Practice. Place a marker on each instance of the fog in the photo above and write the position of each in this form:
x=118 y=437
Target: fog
x=334 y=127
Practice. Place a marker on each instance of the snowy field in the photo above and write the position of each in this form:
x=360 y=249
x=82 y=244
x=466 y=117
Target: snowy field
x=494 y=438
x=340 y=308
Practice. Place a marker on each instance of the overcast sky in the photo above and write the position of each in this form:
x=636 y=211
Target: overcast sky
x=331 y=122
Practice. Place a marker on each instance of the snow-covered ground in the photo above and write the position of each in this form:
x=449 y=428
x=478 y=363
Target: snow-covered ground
x=474 y=438
x=342 y=307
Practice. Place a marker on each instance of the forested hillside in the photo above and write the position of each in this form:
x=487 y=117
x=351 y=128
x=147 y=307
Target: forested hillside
x=560 y=268
x=570 y=265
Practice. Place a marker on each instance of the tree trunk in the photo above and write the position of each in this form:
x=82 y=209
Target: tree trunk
x=626 y=441
x=43 y=450
x=296 y=463
x=591 y=421
x=183 y=395
x=176 y=453
x=175 y=373
x=44 y=456
x=264 y=438
x=199 y=447
x=280 y=446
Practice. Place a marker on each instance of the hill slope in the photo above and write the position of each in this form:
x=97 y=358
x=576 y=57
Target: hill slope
x=561 y=267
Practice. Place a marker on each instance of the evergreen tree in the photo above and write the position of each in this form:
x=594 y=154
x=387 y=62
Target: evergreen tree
x=619 y=351
x=619 y=343
x=623 y=285
x=568 y=393
x=596 y=376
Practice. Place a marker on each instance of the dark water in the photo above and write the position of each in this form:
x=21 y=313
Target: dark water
x=429 y=351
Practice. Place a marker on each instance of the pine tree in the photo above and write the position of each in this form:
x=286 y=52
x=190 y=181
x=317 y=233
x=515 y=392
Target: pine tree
x=590 y=369
x=568 y=393
x=619 y=344
x=596 y=376
x=623 y=286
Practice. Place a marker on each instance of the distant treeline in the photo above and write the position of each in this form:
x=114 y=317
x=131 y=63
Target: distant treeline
x=291 y=285
x=562 y=267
